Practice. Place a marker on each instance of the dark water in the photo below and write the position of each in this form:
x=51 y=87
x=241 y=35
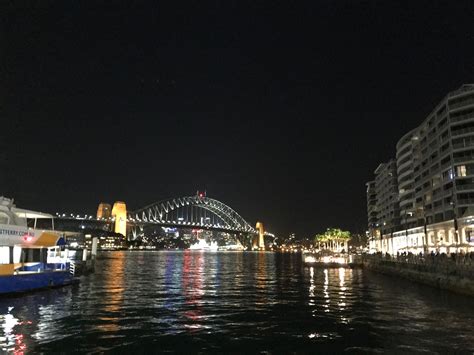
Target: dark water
x=234 y=302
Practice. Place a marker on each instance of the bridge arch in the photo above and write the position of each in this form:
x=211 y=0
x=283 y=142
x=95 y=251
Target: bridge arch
x=192 y=211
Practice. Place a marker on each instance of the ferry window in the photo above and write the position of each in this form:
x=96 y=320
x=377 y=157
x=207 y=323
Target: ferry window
x=44 y=223
x=30 y=222
x=31 y=255
x=4 y=219
x=16 y=254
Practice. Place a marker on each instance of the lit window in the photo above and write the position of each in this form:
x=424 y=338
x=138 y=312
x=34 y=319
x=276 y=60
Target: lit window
x=461 y=170
x=450 y=174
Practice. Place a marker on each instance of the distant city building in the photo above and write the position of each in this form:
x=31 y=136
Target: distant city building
x=386 y=190
x=372 y=213
x=104 y=211
x=288 y=242
x=407 y=153
x=424 y=199
x=112 y=242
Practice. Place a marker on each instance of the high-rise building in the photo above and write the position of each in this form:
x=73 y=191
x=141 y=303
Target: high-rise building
x=434 y=183
x=374 y=230
x=386 y=190
x=406 y=157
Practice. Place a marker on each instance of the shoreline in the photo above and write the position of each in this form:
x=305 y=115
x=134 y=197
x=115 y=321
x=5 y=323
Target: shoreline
x=438 y=276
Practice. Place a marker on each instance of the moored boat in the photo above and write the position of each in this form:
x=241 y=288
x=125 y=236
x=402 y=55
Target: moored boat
x=30 y=258
x=326 y=259
x=204 y=246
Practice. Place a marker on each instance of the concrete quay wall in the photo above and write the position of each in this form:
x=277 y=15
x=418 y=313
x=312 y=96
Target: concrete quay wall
x=455 y=273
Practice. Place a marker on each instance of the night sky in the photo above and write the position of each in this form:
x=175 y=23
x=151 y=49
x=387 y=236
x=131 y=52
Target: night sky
x=281 y=110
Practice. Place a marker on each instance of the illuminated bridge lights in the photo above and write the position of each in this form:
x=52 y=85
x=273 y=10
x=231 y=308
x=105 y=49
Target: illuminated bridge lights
x=193 y=211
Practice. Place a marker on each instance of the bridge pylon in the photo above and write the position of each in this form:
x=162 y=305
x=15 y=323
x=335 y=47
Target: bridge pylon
x=259 y=240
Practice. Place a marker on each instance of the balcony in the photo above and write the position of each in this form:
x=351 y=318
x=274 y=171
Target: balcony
x=464 y=117
x=467 y=102
x=460 y=132
x=404 y=154
x=465 y=187
x=404 y=176
x=463 y=144
x=465 y=201
x=441 y=194
x=439 y=208
x=465 y=159
x=409 y=201
x=445 y=164
x=404 y=164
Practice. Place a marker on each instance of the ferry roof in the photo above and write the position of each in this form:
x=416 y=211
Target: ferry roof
x=7 y=204
x=22 y=213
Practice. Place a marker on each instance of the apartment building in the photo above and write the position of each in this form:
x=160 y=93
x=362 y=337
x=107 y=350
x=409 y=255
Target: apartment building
x=433 y=207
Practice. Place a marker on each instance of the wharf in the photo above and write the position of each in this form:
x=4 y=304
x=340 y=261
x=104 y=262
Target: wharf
x=454 y=273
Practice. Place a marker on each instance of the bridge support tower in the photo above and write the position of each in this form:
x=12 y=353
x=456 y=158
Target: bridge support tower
x=119 y=213
x=259 y=240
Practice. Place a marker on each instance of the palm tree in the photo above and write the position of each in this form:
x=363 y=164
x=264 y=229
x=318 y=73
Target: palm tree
x=332 y=239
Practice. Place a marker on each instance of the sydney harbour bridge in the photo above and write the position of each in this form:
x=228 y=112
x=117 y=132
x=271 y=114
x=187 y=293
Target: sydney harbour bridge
x=193 y=212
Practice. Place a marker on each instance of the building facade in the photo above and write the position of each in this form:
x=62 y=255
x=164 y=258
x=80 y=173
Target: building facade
x=372 y=214
x=434 y=208
x=386 y=189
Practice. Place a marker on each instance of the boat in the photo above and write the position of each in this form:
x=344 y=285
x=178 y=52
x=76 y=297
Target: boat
x=31 y=258
x=203 y=245
x=232 y=247
x=326 y=259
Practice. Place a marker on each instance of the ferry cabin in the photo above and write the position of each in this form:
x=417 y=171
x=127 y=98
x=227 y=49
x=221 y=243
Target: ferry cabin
x=30 y=258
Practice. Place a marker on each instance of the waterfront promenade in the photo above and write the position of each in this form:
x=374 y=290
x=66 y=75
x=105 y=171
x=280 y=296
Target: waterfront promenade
x=454 y=272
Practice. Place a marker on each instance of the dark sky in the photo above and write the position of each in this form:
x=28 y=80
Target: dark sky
x=282 y=110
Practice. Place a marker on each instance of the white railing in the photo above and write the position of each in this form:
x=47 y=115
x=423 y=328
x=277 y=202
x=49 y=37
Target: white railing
x=72 y=268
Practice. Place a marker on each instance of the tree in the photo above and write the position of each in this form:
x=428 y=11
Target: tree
x=333 y=238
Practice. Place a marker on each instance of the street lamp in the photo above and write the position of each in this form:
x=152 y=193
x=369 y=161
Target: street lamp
x=425 y=230
x=455 y=220
x=406 y=228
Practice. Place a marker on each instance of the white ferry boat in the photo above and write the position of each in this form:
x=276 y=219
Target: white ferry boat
x=30 y=258
x=203 y=245
x=327 y=259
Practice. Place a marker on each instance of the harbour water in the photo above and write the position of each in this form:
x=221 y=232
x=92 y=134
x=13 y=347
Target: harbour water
x=234 y=302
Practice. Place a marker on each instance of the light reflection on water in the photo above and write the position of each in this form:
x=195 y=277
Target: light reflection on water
x=234 y=302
